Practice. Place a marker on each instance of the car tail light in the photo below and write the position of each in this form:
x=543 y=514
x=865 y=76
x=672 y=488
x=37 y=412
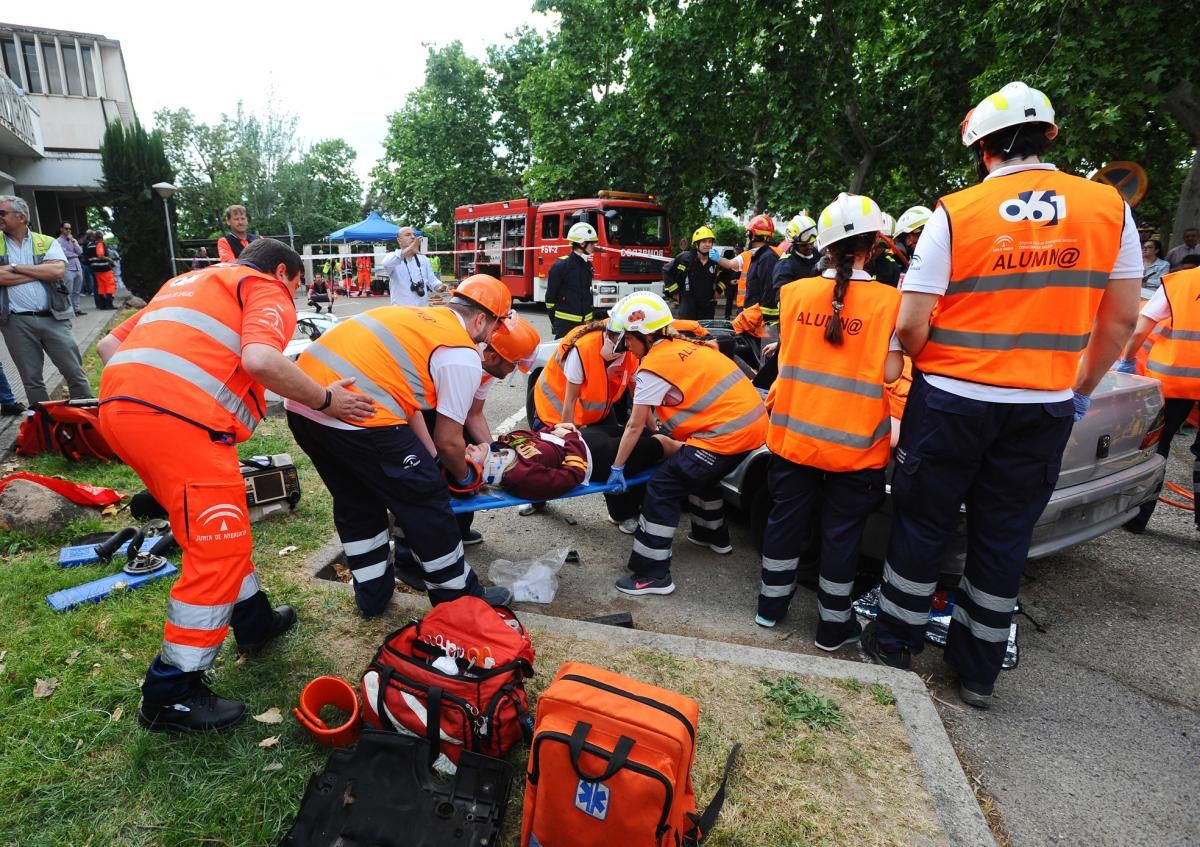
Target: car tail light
x=1155 y=431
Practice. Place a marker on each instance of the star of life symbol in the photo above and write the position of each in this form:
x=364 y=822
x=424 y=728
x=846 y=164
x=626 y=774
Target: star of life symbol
x=592 y=798
x=220 y=512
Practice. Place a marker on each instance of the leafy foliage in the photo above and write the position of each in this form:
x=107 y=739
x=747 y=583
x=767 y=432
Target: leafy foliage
x=804 y=705
x=132 y=160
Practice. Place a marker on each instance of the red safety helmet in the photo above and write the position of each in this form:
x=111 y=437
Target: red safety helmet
x=761 y=225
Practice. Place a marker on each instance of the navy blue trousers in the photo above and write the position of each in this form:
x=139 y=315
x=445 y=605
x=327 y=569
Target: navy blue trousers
x=807 y=501
x=1175 y=413
x=371 y=472
x=692 y=479
x=1002 y=460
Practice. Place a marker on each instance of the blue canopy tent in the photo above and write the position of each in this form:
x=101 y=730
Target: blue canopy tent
x=374 y=228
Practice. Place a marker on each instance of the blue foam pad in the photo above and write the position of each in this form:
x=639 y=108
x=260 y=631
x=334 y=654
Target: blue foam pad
x=495 y=498
x=98 y=589
x=85 y=554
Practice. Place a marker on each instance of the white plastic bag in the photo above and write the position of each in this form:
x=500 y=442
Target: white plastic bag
x=533 y=581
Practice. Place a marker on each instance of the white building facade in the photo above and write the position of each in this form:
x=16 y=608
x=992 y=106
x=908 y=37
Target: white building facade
x=58 y=92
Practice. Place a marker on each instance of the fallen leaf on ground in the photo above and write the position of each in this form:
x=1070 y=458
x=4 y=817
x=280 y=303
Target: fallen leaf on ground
x=116 y=716
x=78 y=743
x=291 y=548
x=3 y=653
x=125 y=654
x=274 y=766
x=44 y=687
x=269 y=742
x=109 y=510
x=70 y=660
x=271 y=715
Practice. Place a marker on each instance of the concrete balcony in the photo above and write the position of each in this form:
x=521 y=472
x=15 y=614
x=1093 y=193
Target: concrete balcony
x=20 y=123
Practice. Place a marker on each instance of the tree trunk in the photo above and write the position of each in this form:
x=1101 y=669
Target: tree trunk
x=1188 y=212
x=861 y=170
x=1183 y=102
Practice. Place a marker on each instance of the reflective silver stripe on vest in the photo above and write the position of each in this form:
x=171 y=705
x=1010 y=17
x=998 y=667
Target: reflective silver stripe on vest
x=192 y=616
x=557 y=402
x=834 y=436
x=210 y=326
x=1028 y=281
x=345 y=370
x=711 y=396
x=838 y=383
x=548 y=393
x=192 y=373
x=1007 y=341
x=392 y=344
x=1172 y=370
x=1180 y=334
x=740 y=422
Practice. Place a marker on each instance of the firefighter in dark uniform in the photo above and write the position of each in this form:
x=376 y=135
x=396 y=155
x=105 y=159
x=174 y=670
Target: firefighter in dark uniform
x=887 y=263
x=763 y=260
x=801 y=259
x=693 y=278
x=569 y=283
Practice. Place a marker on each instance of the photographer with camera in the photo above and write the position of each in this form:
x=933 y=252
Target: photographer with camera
x=410 y=276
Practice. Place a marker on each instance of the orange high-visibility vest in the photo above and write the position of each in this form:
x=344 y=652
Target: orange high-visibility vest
x=897 y=392
x=721 y=410
x=185 y=352
x=1175 y=358
x=387 y=350
x=1031 y=254
x=601 y=388
x=828 y=407
x=685 y=326
x=745 y=256
x=750 y=322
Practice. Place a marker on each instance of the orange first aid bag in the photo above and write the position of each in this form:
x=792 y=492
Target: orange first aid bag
x=611 y=763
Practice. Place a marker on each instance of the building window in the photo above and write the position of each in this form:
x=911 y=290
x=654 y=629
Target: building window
x=12 y=62
x=89 y=71
x=71 y=61
x=50 y=60
x=32 y=72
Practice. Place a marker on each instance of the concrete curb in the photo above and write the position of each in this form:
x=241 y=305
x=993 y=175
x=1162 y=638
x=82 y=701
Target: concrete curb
x=952 y=797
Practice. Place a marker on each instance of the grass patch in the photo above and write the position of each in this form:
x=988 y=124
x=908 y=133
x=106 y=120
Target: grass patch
x=882 y=695
x=804 y=705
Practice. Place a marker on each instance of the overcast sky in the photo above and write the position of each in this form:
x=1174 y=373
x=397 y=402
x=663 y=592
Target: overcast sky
x=342 y=70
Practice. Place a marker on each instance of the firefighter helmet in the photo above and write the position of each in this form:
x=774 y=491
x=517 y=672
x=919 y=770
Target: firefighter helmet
x=913 y=219
x=847 y=216
x=889 y=225
x=488 y=292
x=515 y=340
x=1014 y=104
x=703 y=233
x=643 y=312
x=801 y=230
x=581 y=233
x=761 y=225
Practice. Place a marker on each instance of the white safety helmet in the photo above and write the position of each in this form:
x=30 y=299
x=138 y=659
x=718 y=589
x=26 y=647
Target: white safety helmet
x=1014 y=104
x=847 y=216
x=889 y=225
x=581 y=233
x=913 y=219
x=642 y=311
x=801 y=229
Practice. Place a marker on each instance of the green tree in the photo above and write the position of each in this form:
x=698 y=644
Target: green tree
x=440 y=149
x=133 y=160
x=318 y=193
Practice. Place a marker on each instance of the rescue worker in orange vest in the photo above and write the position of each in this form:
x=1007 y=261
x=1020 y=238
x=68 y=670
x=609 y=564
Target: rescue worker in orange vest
x=1175 y=362
x=231 y=244
x=363 y=263
x=408 y=359
x=829 y=426
x=1035 y=275
x=702 y=399
x=182 y=384
x=582 y=384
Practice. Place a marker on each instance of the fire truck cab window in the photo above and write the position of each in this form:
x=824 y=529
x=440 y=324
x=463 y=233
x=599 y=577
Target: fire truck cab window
x=639 y=227
x=551 y=226
x=587 y=216
x=514 y=239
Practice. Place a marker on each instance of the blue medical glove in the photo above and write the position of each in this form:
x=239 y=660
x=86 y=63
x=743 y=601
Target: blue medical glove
x=617 y=477
x=1082 y=403
x=1126 y=366
x=714 y=254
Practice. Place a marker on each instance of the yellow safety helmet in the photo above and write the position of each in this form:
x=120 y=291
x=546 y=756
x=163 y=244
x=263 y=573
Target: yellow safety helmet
x=703 y=233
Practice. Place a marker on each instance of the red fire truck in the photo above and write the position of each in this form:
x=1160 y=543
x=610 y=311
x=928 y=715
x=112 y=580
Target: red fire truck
x=517 y=242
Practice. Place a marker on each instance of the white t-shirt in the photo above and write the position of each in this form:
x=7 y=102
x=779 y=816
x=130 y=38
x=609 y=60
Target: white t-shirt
x=573 y=367
x=929 y=273
x=1159 y=307
x=485 y=386
x=456 y=373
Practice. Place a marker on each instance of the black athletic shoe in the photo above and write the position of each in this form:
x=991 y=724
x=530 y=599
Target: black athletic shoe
x=199 y=710
x=638 y=585
x=901 y=659
x=973 y=695
x=471 y=537
x=283 y=618
x=10 y=409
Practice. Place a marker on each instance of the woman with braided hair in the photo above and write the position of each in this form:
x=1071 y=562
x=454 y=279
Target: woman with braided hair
x=830 y=425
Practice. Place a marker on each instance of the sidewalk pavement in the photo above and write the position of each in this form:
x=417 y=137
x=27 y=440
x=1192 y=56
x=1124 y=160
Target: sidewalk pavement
x=87 y=329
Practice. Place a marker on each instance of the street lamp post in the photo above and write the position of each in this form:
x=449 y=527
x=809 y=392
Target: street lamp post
x=165 y=190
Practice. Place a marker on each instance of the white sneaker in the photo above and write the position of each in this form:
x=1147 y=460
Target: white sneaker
x=716 y=548
x=628 y=526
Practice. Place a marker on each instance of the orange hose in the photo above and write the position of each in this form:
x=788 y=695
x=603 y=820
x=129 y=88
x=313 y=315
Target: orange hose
x=1188 y=507
x=1181 y=491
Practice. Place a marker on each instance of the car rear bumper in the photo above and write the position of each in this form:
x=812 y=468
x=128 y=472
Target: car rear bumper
x=1082 y=512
